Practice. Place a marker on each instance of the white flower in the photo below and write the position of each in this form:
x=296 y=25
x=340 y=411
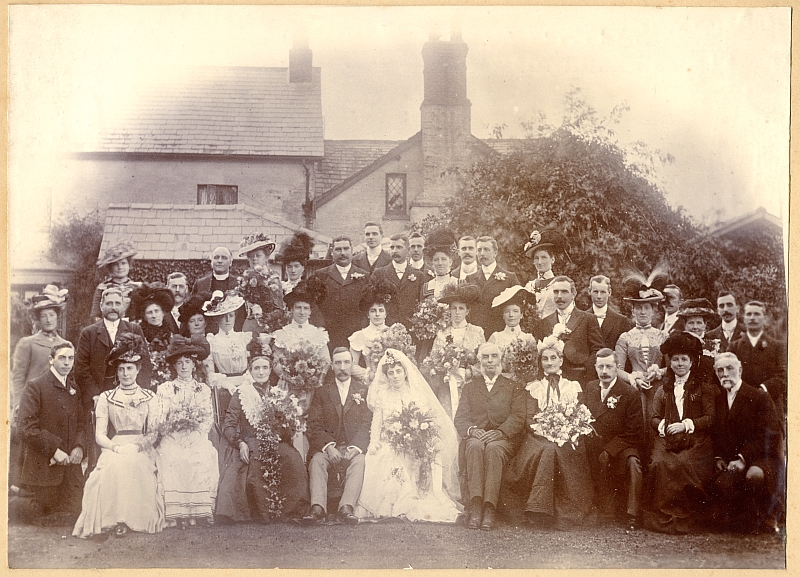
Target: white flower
x=423 y=426
x=395 y=427
x=357 y=398
x=612 y=402
x=412 y=278
x=560 y=329
x=413 y=423
x=356 y=275
x=500 y=275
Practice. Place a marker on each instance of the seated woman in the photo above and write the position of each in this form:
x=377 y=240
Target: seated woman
x=376 y=296
x=512 y=301
x=187 y=461
x=416 y=480
x=115 y=265
x=122 y=490
x=682 y=462
x=295 y=258
x=556 y=479
x=259 y=285
x=693 y=317
x=243 y=494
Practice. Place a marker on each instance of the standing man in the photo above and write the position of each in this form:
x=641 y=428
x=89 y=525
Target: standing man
x=491 y=280
x=52 y=426
x=674 y=298
x=338 y=436
x=345 y=284
x=731 y=329
x=467 y=251
x=612 y=324
x=416 y=251
x=406 y=278
x=490 y=419
x=374 y=257
x=179 y=286
x=614 y=453
x=221 y=279
x=579 y=331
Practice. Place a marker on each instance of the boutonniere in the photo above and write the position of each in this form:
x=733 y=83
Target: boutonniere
x=412 y=278
x=500 y=276
x=693 y=397
x=611 y=402
x=357 y=398
x=560 y=330
x=763 y=344
x=708 y=353
x=72 y=391
x=356 y=275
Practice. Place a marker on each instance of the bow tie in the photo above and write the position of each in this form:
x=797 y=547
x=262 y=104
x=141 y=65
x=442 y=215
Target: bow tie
x=553 y=381
x=600 y=316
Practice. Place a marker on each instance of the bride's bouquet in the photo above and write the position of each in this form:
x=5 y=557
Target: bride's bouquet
x=394 y=337
x=431 y=317
x=302 y=366
x=520 y=358
x=563 y=423
x=412 y=432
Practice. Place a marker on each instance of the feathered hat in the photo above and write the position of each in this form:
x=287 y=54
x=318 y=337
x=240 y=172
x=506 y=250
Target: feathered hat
x=192 y=306
x=147 y=294
x=682 y=343
x=298 y=248
x=515 y=295
x=639 y=289
x=51 y=297
x=121 y=250
x=257 y=240
x=696 y=308
x=551 y=342
x=222 y=303
x=179 y=346
x=548 y=239
x=128 y=348
x=440 y=240
x=462 y=292
x=259 y=346
x=377 y=291
x=311 y=291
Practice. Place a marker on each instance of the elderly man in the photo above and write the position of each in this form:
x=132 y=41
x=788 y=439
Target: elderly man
x=467 y=251
x=491 y=279
x=748 y=445
x=612 y=324
x=220 y=279
x=405 y=278
x=674 y=298
x=375 y=256
x=578 y=329
x=614 y=451
x=730 y=329
x=490 y=419
x=179 y=286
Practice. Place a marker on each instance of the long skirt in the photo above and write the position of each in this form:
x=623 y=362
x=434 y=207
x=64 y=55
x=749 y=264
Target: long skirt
x=242 y=496
x=556 y=480
x=187 y=465
x=121 y=489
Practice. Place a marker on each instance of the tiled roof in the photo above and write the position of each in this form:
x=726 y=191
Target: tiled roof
x=223 y=110
x=344 y=158
x=504 y=145
x=186 y=232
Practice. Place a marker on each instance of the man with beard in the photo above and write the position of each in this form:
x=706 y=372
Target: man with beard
x=731 y=329
x=179 y=286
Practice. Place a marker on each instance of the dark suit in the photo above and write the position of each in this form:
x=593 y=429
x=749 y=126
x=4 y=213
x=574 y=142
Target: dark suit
x=764 y=364
x=208 y=284
x=340 y=307
x=51 y=418
x=613 y=326
x=481 y=314
x=345 y=425
x=724 y=344
x=580 y=345
x=361 y=261
x=502 y=409
x=404 y=303
x=619 y=434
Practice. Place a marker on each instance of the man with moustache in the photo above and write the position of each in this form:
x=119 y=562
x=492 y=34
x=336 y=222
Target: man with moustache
x=674 y=298
x=580 y=331
x=731 y=329
x=374 y=257
x=467 y=251
x=179 y=287
x=612 y=324
x=416 y=251
x=405 y=278
x=491 y=279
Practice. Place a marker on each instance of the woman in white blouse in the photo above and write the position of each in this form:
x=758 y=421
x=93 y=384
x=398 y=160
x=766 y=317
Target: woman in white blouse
x=376 y=296
x=512 y=302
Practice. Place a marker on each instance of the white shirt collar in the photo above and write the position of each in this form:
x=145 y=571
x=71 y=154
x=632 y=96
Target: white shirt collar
x=221 y=276
x=417 y=264
x=344 y=270
x=111 y=326
x=603 y=311
x=400 y=268
x=512 y=330
x=487 y=270
x=754 y=340
x=567 y=311
x=374 y=252
x=610 y=386
x=300 y=327
x=489 y=381
x=729 y=327
x=548 y=274
x=680 y=381
x=62 y=379
x=344 y=388
x=732 y=393
x=469 y=269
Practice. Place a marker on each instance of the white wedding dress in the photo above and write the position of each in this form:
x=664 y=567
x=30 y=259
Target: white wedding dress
x=391 y=481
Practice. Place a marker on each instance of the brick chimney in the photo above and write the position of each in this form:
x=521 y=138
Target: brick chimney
x=300 y=59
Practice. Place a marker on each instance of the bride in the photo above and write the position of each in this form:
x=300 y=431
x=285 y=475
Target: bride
x=397 y=484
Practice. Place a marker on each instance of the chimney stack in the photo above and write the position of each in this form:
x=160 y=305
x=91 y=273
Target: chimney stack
x=300 y=69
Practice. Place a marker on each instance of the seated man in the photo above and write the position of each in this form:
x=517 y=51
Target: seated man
x=613 y=454
x=748 y=445
x=338 y=436
x=490 y=418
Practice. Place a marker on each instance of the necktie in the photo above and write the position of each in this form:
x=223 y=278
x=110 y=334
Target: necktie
x=644 y=346
x=552 y=381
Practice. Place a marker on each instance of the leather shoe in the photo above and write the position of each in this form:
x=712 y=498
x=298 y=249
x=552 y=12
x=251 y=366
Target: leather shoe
x=315 y=515
x=631 y=523
x=347 y=516
x=474 y=518
x=488 y=518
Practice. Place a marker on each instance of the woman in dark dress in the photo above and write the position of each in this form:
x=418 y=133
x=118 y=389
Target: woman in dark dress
x=150 y=304
x=682 y=461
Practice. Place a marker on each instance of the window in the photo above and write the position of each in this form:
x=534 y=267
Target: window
x=396 y=194
x=217 y=194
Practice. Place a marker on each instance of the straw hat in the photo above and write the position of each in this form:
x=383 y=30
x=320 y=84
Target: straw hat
x=51 y=297
x=257 y=240
x=116 y=253
x=222 y=303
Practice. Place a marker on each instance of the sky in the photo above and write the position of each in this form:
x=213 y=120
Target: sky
x=708 y=85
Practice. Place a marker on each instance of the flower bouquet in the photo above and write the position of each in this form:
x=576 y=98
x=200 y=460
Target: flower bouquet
x=413 y=433
x=520 y=359
x=185 y=416
x=393 y=337
x=158 y=357
x=563 y=423
x=301 y=367
x=530 y=316
x=448 y=358
x=262 y=287
x=430 y=317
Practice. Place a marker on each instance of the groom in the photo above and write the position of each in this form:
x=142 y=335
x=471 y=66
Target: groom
x=338 y=435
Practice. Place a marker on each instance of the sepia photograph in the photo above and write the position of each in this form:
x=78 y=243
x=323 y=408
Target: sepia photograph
x=398 y=287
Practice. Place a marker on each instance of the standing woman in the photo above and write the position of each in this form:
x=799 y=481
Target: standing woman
x=376 y=297
x=150 y=303
x=295 y=259
x=115 y=265
x=693 y=318
x=192 y=317
x=187 y=461
x=262 y=288
x=543 y=248
x=439 y=250
x=121 y=493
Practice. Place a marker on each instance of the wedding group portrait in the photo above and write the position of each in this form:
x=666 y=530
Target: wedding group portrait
x=251 y=326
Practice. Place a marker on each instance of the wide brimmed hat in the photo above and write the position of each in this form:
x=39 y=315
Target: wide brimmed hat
x=639 y=289
x=696 y=308
x=180 y=346
x=122 y=250
x=377 y=291
x=222 y=303
x=682 y=343
x=440 y=240
x=128 y=348
x=462 y=292
x=259 y=346
x=192 y=306
x=257 y=240
x=51 y=297
x=644 y=294
x=311 y=291
x=298 y=249
x=548 y=239
x=147 y=294
x=515 y=295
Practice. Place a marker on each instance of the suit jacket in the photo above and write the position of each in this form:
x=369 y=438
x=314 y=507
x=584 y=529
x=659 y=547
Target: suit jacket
x=749 y=428
x=724 y=344
x=580 y=345
x=404 y=303
x=92 y=373
x=502 y=409
x=203 y=285
x=620 y=429
x=330 y=422
x=50 y=418
x=361 y=261
x=340 y=307
x=613 y=326
x=481 y=314
x=31 y=359
x=764 y=364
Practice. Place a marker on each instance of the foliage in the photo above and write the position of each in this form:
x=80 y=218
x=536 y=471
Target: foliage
x=21 y=323
x=159 y=270
x=563 y=423
x=412 y=432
